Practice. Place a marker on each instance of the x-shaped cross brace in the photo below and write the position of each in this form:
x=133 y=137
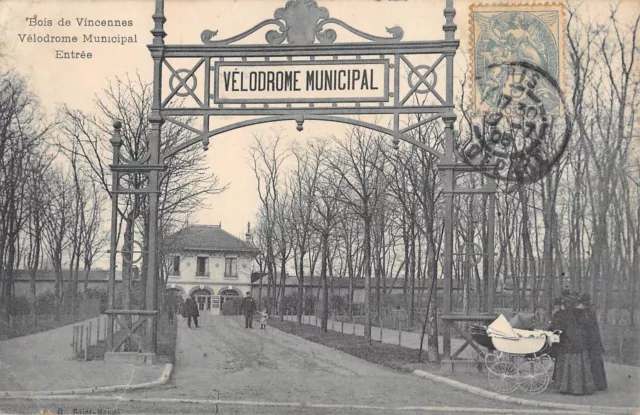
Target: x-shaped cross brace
x=422 y=79
x=130 y=332
x=183 y=83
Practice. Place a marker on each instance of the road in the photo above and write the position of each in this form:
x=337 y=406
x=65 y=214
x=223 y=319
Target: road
x=240 y=371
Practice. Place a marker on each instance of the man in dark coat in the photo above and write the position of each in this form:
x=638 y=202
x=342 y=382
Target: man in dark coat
x=594 y=343
x=171 y=306
x=192 y=311
x=559 y=321
x=248 y=308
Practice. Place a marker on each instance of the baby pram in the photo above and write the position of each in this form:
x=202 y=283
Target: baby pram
x=515 y=357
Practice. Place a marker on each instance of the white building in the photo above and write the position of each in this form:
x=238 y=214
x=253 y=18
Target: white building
x=211 y=264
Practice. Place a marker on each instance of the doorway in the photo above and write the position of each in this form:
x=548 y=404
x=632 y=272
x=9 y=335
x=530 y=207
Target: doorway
x=228 y=294
x=203 y=299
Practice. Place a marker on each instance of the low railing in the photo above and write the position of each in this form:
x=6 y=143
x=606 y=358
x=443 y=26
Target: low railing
x=86 y=334
x=130 y=330
x=22 y=325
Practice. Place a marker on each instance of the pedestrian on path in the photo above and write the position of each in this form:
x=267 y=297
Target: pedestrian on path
x=192 y=311
x=594 y=343
x=264 y=316
x=171 y=306
x=248 y=309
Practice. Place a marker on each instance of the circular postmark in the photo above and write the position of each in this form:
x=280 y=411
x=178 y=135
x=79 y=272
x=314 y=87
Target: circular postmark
x=522 y=136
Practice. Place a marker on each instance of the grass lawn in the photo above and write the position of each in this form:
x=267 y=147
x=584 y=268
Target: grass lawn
x=24 y=325
x=167 y=334
x=388 y=355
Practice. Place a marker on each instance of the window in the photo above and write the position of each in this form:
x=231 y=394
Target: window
x=231 y=268
x=176 y=265
x=202 y=269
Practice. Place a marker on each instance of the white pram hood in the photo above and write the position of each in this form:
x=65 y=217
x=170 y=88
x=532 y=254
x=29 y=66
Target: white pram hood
x=501 y=328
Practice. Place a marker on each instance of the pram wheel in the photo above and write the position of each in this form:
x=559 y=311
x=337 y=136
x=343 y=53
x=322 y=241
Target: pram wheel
x=491 y=359
x=503 y=377
x=533 y=376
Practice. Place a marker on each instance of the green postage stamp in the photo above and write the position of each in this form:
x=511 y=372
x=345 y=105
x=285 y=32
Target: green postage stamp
x=515 y=33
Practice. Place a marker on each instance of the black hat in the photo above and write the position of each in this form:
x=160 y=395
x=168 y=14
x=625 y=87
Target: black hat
x=585 y=298
x=569 y=300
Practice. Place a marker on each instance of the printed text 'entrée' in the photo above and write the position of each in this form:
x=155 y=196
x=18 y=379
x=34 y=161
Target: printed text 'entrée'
x=301 y=82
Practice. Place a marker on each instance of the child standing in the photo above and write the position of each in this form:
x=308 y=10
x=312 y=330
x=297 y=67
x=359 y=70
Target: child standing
x=263 y=318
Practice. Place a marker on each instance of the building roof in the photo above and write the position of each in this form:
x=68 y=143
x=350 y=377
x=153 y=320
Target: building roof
x=207 y=238
x=292 y=281
x=95 y=275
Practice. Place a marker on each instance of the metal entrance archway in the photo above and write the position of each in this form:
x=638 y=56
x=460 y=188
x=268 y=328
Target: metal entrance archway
x=214 y=79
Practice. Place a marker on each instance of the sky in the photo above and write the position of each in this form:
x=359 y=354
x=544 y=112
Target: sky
x=75 y=82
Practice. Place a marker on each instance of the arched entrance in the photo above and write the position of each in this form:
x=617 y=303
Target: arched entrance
x=203 y=298
x=228 y=293
x=177 y=292
x=207 y=82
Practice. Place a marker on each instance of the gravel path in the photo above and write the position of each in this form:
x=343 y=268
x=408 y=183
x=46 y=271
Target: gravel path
x=269 y=365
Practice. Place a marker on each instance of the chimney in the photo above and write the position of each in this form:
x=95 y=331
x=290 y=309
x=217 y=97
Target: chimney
x=248 y=237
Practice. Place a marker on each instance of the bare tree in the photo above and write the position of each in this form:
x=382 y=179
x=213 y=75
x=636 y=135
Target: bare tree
x=266 y=160
x=184 y=186
x=356 y=162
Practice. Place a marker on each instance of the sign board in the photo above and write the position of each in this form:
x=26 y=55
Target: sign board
x=301 y=82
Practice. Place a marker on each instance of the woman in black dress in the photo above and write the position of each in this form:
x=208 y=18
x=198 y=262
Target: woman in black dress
x=573 y=368
x=594 y=343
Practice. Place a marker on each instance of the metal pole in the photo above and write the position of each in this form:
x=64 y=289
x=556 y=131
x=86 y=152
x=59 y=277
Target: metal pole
x=399 y=332
x=116 y=142
x=448 y=256
x=81 y=337
x=86 y=345
x=353 y=323
x=156 y=121
x=449 y=180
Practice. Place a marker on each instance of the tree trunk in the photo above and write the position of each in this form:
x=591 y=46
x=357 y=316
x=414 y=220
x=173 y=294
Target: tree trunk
x=283 y=280
x=367 y=276
x=325 y=285
x=301 y=288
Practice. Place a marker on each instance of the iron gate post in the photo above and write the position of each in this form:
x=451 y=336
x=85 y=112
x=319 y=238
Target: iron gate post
x=449 y=187
x=116 y=142
x=449 y=183
x=156 y=121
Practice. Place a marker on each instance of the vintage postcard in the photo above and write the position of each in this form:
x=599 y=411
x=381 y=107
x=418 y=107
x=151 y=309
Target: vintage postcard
x=319 y=207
